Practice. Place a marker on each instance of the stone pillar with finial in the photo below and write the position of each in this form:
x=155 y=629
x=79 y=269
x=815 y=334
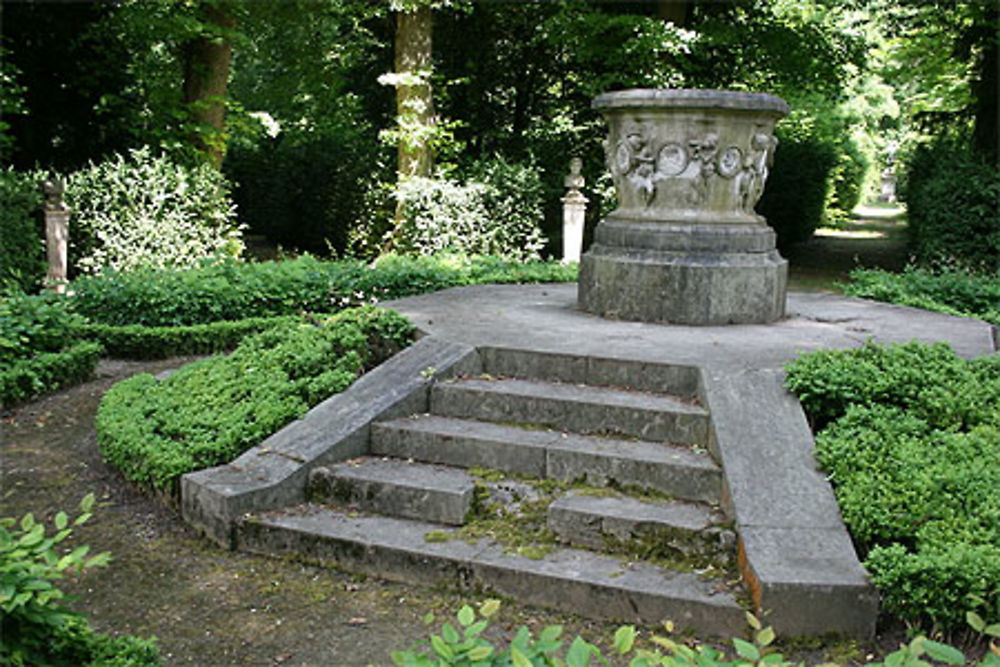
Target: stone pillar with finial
x=574 y=212
x=56 y=234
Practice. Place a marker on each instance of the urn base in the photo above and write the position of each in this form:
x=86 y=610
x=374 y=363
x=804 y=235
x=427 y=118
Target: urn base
x=684 y=274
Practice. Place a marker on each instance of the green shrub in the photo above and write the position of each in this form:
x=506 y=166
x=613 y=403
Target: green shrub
x=952 y=211
x=234 y=291
x=40 y=350
x=910 y=437
x=36 y=628
x=136 y=341
x=210 y=411
x=145 y=210
x=950 y=291
x=795 y=195
x=475 y=217
x=847 y=179
x=22 y=247
x=46 y=372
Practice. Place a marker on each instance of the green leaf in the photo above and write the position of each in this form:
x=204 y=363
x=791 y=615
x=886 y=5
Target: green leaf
x=754 y=622
x=550 y=633
x=466 y=616
x=975 y=621
x=61 y=521
x=480 y=653
x=87 y=504
x=579 y=653
x=625 y=638
x=518 y=658
x=992 y=630
x=746 y=650
x=441 y=648
x=28 y=522
x=476 y=628
x=488 y=608
x=765 y=636
x=943 y=652
x=450 y=634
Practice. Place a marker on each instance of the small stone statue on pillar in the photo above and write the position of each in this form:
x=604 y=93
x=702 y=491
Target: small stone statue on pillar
x=56 y=233
x=574 y=212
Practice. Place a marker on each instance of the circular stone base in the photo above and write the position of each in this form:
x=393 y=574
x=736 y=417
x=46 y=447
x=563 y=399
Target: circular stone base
x=683 y=287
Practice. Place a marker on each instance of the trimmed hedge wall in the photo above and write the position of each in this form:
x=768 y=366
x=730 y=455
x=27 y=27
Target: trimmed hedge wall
x=48 y=371
x=135 y=341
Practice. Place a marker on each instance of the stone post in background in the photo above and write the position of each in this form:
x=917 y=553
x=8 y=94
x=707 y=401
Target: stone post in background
x=574 y=212
x=56 y=234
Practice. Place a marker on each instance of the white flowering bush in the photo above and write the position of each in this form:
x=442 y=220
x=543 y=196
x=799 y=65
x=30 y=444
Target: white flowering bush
x=478 y=217
x=145 y=210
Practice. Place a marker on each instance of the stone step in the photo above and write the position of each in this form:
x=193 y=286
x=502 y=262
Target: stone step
x=678 y=531
x=600 y=461
x=600 y=371
x=571 y=580
x=573 y=407
x=396 y=488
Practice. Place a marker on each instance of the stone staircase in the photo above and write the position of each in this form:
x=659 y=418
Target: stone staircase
x=572 y=483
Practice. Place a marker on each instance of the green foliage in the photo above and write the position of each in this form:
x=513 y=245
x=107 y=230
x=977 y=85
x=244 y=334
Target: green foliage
x=954 y=219
x=36 y=628
x=910 y=437
x=146 y=210
x=950 y=291
x=22 y=250
x=795 y=195
x=31 y=605
x=210 y=411
x=234 y=291
x=39 y=347
x=137 y=341
x=499 y=215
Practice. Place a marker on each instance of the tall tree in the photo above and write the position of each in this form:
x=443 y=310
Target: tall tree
x=206 y=58
x=414 y=98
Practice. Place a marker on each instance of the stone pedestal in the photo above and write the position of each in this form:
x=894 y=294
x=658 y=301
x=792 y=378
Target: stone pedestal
x=685 y=245
x=56 y=235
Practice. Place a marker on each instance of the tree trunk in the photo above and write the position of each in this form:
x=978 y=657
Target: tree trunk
x=674 y=11
x=986 y=133
x=414 y=103
x=206 y=76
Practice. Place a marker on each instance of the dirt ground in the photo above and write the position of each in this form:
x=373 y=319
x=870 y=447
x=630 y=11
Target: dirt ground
x=212 y=607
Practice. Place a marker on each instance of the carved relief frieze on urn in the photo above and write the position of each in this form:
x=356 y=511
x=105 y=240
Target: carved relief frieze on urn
x=671 y=160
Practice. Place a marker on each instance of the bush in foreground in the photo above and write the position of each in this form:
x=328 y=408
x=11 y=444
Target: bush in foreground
x=910 y=437
x=950 y=291
x=36 y=628
x=211 y=411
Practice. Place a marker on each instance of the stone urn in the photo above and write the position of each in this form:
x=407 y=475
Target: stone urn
x=685 y=245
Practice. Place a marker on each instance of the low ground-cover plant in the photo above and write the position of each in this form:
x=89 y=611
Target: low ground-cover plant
x=910 y=437
x=36 y=628
x=950 y=291
x=234 y=291
x=39 y=346
x=210 y=411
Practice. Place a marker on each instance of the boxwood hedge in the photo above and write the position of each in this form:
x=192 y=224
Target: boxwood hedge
x=210 y=411
x=910 y=437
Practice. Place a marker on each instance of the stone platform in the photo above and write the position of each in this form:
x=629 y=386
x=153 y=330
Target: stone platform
x=517 y=378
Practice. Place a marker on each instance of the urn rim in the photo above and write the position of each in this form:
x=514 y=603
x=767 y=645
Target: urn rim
x=687 y=98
